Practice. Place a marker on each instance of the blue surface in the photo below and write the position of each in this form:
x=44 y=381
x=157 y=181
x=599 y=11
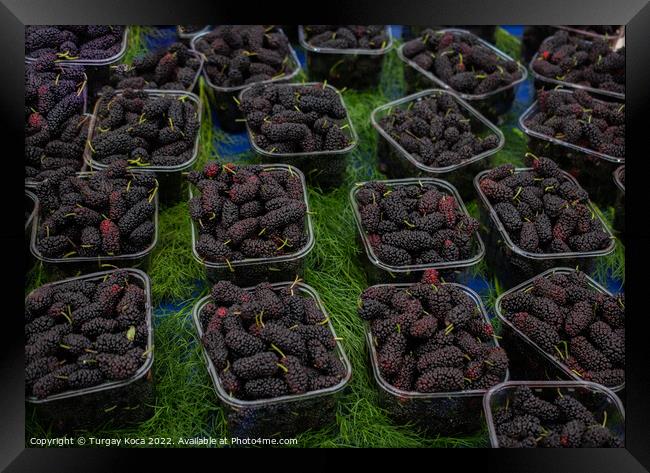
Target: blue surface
x=515 y=30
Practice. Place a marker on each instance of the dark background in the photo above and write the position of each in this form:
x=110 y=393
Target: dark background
x=635 y=13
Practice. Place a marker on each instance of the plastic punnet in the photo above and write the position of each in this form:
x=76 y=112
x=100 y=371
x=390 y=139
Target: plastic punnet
x=251 y=271
x=396 y=162
x=619 y=208
x=286 y=415
x=379 y=272
x=119 y=402
x=513 y=265
x=491 y=104
x=592 y=168
x=582 y=31
x=542 y=81
x=98 y=70
x=600 y=400
x=31 y=209
x=170 y=178
x=74 y=265
x=226 y=99
x=483 y=31
x=444 y=413
x=187 y=36
x=325 y=169
x=192 y=86
x=29 y=181
x=528 y=360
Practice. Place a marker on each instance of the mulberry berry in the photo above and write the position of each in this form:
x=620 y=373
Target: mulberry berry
x=587 y=355
x=573 y=410
x=393 y=255
x=526 y=402
x=391 y=353
x=579 y=318
x=605 y=339
x=117 y=367
x=243 y=343
x=440 y=380
x=260 y=365
x=265 y=388
x=289 y=342
x=539 y=332
x=509 y=216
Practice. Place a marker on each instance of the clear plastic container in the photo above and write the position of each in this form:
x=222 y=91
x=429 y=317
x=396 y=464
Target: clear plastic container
x=379 y=272
x=31 y=208
x=75 y=265
x=325 y=169
x=284 y=416
x=598 y=399
x=619 y=207
x=122 y=402
x=491 y=104
x=550 y=83
x=443 y=413
x=396 y=162
x=226 y=105
x=527 y=360
x=511 y=264
x=592 y=168
x=250 y=271
x=353 y=68
x=170 y=178
x=98 y=70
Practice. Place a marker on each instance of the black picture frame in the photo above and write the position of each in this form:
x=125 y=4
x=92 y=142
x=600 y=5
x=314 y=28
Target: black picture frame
x=14 y=14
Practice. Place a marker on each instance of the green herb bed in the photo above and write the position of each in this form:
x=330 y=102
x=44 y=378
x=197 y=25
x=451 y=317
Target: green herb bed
x=186 y=403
